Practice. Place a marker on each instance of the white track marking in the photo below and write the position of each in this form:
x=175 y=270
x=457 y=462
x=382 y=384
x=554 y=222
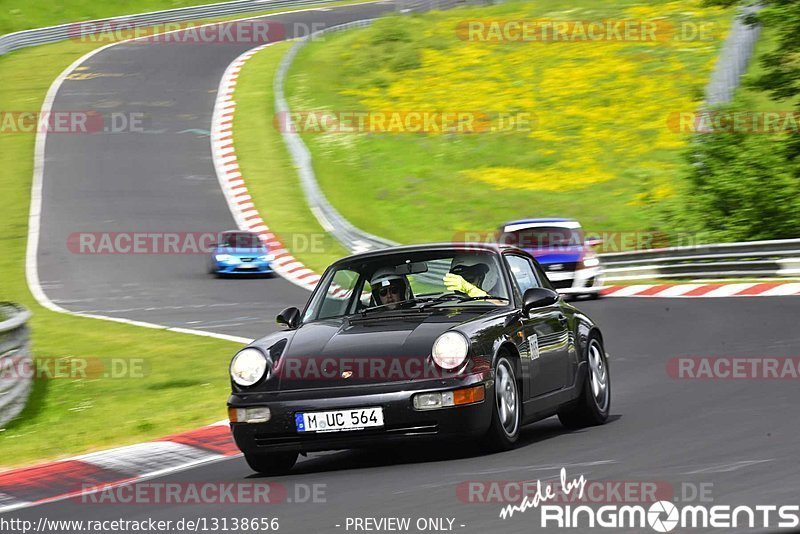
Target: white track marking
x=728 y=290
x=783 y=289
x=630 y=290
x=233 y=184
x=144 y=458
x=35 y=213
x=678 y=290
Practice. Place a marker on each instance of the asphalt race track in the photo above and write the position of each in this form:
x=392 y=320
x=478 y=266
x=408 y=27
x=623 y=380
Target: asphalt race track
x=739 y=436
x=161 y=181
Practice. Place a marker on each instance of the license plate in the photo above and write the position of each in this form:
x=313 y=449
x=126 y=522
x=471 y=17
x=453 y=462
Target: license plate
x=336 y=421
x=247 y=266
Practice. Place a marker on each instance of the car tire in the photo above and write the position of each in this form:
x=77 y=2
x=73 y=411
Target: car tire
x=594 y=401
x=275 y=463
x=504 y=428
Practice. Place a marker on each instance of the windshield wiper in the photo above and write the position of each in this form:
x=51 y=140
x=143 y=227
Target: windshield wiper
x=461 y=298
x=400 y=306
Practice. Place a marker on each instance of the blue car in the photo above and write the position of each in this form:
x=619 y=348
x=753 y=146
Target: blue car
x=239 y=252
x=561 y=248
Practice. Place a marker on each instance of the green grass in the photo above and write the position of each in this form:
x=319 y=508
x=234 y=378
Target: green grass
x=267 y=168
x=16 y=15
x=415 y=188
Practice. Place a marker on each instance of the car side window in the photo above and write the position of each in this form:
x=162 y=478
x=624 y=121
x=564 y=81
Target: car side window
x=344 y=284
x=522 y=272
x=542 y=277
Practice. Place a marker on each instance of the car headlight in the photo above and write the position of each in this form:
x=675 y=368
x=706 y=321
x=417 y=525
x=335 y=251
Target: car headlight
x=450 y=350
x=248 y=366
x=591 y=262
x=224 y=258
x=266 y=257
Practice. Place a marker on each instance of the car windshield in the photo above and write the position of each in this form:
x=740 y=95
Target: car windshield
x=239 y=240
x=403 y=281
x=543 y=237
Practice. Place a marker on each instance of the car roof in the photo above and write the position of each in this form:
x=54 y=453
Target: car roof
x=487 y=247
x=523 y=224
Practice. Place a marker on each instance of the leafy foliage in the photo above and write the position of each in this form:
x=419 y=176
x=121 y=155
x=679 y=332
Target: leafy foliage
x=747 y=186
x=743 y=187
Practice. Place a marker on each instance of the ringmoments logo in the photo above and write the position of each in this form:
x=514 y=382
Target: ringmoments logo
x=660 y=516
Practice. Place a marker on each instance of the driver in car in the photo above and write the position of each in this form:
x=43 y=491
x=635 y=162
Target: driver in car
x=468 y=273
x=390 y=288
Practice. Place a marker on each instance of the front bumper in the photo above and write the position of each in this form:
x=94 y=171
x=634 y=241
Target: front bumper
x=578 y=282
x=252 y=267
x=402 y=423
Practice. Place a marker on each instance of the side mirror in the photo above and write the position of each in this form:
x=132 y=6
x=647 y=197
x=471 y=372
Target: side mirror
x=593 y=242
x=290 y=317
x=538 y=297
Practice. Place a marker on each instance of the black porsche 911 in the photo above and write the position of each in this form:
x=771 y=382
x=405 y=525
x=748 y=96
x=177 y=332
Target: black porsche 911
x=419 y=342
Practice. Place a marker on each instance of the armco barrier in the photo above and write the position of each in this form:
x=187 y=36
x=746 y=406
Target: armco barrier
x=754 y=259
x=53 y=34
x=353 y=239
x=14 y=351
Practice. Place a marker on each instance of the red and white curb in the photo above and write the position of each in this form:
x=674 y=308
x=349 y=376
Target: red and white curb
x=89 y=473
x=764 y=289
x=233 y=184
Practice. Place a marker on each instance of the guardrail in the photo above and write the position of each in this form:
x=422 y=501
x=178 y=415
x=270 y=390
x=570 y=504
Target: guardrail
x=755 y=259
x=62 y=32
x=14 y=355
x=353 y=239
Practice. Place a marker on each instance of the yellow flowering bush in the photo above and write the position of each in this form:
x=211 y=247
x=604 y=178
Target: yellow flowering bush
x=600 y=108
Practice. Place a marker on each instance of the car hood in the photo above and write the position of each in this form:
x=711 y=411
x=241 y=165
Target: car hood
x=377 y=348
x=559 y=254
x=235 y=251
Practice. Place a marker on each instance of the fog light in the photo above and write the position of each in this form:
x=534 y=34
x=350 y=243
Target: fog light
x=428 y=401
x=256 y=414
x=434 y=401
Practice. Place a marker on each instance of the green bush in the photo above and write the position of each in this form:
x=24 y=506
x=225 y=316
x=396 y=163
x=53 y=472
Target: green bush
x=743 y=187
